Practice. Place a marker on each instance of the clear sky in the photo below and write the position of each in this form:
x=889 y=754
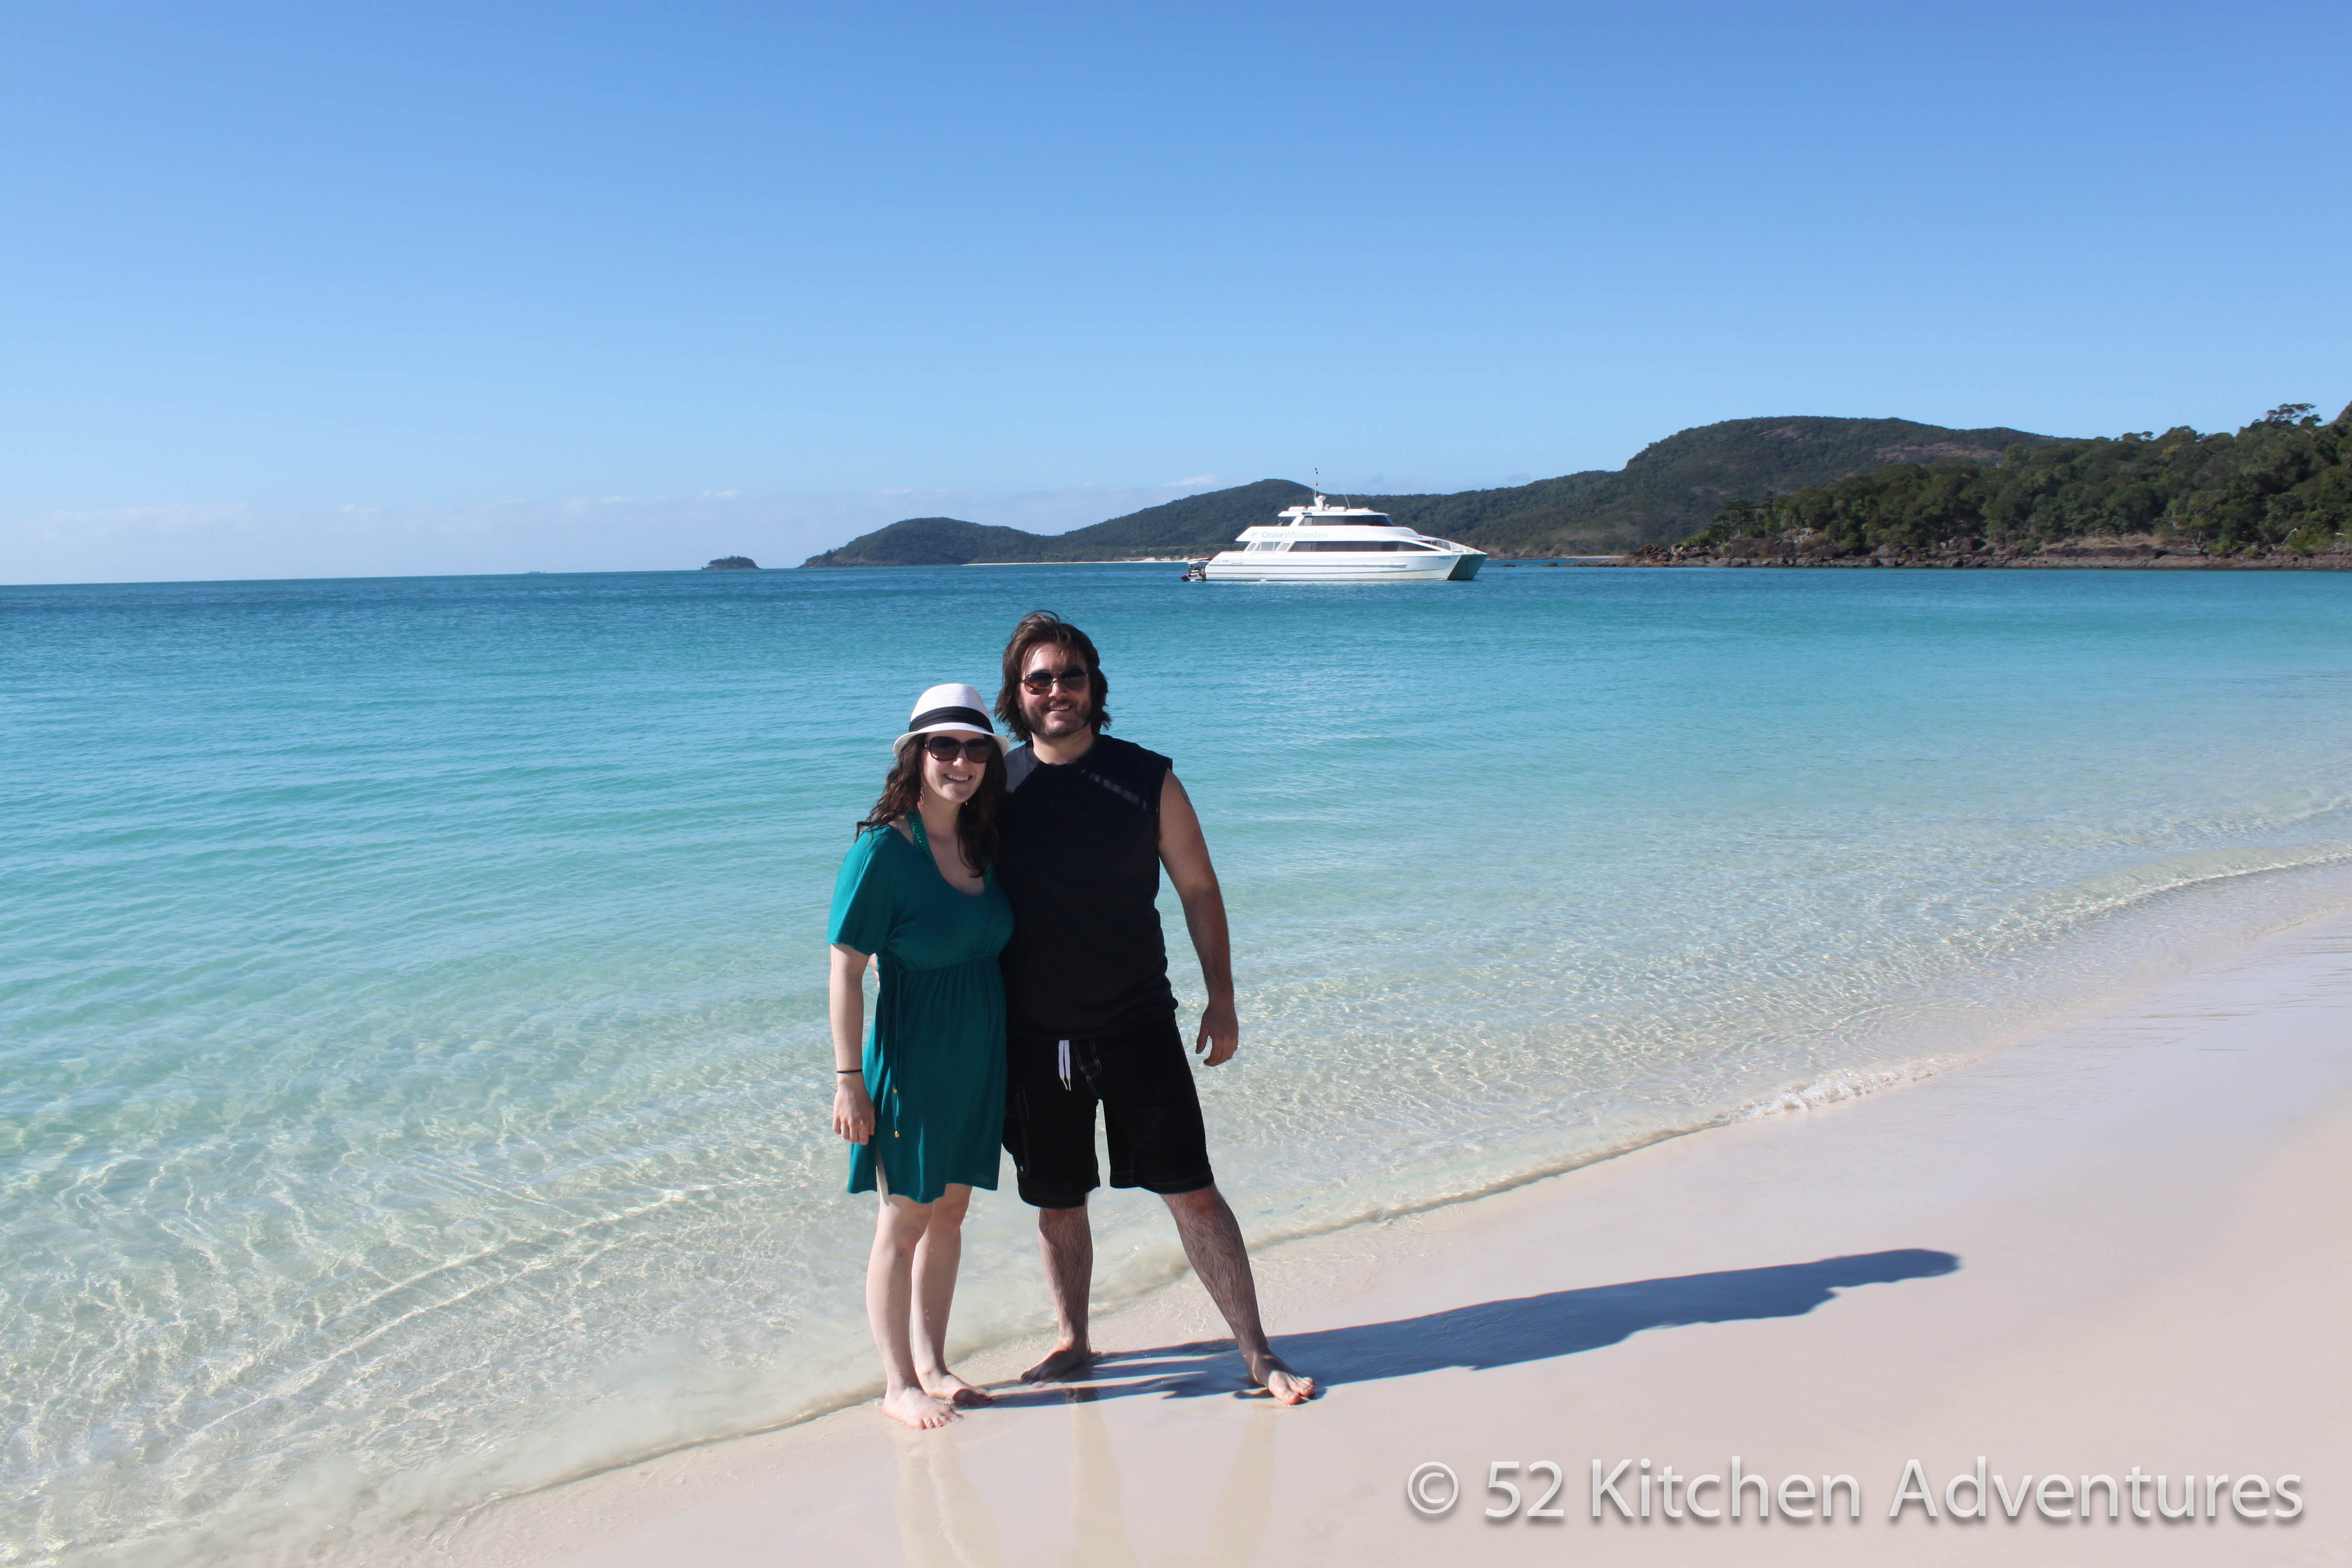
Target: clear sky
x=325 y=289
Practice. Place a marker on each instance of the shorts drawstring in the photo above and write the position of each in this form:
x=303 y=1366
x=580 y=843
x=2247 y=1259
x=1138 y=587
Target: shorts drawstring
x=1065 y=1064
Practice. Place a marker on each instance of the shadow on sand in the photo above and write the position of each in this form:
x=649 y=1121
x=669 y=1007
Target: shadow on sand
x=1500 y=1333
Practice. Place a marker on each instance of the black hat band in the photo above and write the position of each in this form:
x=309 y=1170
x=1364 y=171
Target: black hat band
x=971 y=716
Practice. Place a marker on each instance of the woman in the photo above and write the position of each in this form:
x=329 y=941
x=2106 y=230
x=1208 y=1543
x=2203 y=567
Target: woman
x=924 y=1101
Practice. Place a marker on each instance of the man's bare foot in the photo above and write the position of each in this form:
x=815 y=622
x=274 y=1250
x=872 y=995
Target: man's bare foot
x=1286 y=1386
x=1066 y=1359
x=916 y=1408
x=946 y=1387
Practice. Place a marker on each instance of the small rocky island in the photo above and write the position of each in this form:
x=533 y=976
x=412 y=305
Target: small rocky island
x=733 y=563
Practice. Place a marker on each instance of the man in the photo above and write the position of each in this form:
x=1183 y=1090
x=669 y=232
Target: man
x=1087 y=822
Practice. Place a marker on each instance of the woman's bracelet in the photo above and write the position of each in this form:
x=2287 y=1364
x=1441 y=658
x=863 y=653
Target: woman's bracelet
x=844 y=1072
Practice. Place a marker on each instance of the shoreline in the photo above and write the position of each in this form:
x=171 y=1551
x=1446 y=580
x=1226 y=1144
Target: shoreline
x=2084 y=556
x=2018 y=1211
x=2096 y=553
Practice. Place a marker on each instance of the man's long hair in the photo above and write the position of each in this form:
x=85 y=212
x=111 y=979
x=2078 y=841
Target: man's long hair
x=1037 y=628
x=902 y=795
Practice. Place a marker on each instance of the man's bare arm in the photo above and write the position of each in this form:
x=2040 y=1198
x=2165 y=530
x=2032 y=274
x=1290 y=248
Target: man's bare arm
x=1185 y=852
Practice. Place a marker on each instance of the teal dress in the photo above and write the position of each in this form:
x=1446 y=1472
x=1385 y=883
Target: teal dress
x=935 y=1057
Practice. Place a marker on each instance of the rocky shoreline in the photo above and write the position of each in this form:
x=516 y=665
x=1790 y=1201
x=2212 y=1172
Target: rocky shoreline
x=2126 y=553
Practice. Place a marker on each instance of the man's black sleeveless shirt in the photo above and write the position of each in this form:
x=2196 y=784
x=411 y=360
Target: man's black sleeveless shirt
x=1080 y=860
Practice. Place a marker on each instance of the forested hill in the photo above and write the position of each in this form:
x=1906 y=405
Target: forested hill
x=1179 y=528
x=2283 y=482
x=1668 y=491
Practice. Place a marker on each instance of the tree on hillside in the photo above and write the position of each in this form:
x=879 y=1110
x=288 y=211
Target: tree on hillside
x=2282 y=481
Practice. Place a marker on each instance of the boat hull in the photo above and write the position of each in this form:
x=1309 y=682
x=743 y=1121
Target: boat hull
x=1255 y=566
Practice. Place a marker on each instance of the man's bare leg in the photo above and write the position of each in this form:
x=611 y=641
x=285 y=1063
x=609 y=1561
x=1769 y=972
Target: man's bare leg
x=1065 y=1240
x=1213 y=1240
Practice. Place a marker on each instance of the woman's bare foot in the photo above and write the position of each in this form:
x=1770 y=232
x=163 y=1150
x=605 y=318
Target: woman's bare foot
x=1066 y=1359
x=946 y=1387
x=1286 y=1386
x=916 y=1408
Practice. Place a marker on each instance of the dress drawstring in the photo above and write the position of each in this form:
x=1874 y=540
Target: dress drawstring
x=1065 y=1064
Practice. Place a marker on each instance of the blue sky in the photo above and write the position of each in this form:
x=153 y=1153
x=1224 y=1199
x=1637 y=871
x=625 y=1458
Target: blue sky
x=345 y=288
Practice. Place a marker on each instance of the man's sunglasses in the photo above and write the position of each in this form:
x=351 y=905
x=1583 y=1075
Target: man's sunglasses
x=1039 y=682
x=947 y=749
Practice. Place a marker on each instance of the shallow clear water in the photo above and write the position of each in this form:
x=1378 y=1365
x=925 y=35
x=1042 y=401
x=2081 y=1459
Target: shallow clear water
x=411 y=992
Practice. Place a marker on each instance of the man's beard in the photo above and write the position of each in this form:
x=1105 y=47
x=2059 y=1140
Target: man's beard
x=1052 y=723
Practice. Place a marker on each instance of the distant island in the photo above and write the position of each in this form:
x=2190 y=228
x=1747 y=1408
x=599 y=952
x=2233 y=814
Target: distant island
x=1810 y=488
x=1668 y=489
x=733 y=563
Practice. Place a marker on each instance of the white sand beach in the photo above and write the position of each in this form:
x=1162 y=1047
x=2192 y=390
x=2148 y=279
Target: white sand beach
x=2125 y=1243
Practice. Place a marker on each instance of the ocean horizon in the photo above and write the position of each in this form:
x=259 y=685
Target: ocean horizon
x=414 y=988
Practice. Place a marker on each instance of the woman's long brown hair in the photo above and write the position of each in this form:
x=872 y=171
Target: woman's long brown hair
x=902 y=795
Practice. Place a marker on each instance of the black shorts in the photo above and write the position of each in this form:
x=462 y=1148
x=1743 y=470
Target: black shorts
x=1152 y=1117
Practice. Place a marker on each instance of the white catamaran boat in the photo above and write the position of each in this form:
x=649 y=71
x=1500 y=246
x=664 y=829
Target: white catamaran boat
x=1328 y=544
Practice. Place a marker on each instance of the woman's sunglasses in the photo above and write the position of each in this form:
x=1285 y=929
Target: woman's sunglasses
x=947 y=749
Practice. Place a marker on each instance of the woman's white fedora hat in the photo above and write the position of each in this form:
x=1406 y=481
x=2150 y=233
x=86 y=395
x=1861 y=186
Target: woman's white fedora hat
x=953 y=709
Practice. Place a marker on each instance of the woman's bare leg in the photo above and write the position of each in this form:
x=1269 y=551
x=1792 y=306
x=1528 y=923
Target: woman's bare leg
x=937 y=1257
x=889 y=1299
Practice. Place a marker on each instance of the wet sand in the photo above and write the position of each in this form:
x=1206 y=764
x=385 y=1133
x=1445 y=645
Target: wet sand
x=2123 y=1243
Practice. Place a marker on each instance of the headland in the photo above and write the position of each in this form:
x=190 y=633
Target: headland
x=1804 y=490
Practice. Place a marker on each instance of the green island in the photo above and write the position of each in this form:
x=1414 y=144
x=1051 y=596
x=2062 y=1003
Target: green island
x=1803 y=491
x=2278 y=491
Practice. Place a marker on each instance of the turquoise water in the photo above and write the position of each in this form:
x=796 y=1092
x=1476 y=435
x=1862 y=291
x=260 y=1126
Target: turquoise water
x=411 y=998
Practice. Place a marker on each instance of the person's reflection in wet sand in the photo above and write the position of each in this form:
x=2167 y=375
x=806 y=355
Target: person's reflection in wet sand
x=1236 y=1521
x=942 y=1520
x=945 y=1522
x=1245 y=1503
x=1097 y=1494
